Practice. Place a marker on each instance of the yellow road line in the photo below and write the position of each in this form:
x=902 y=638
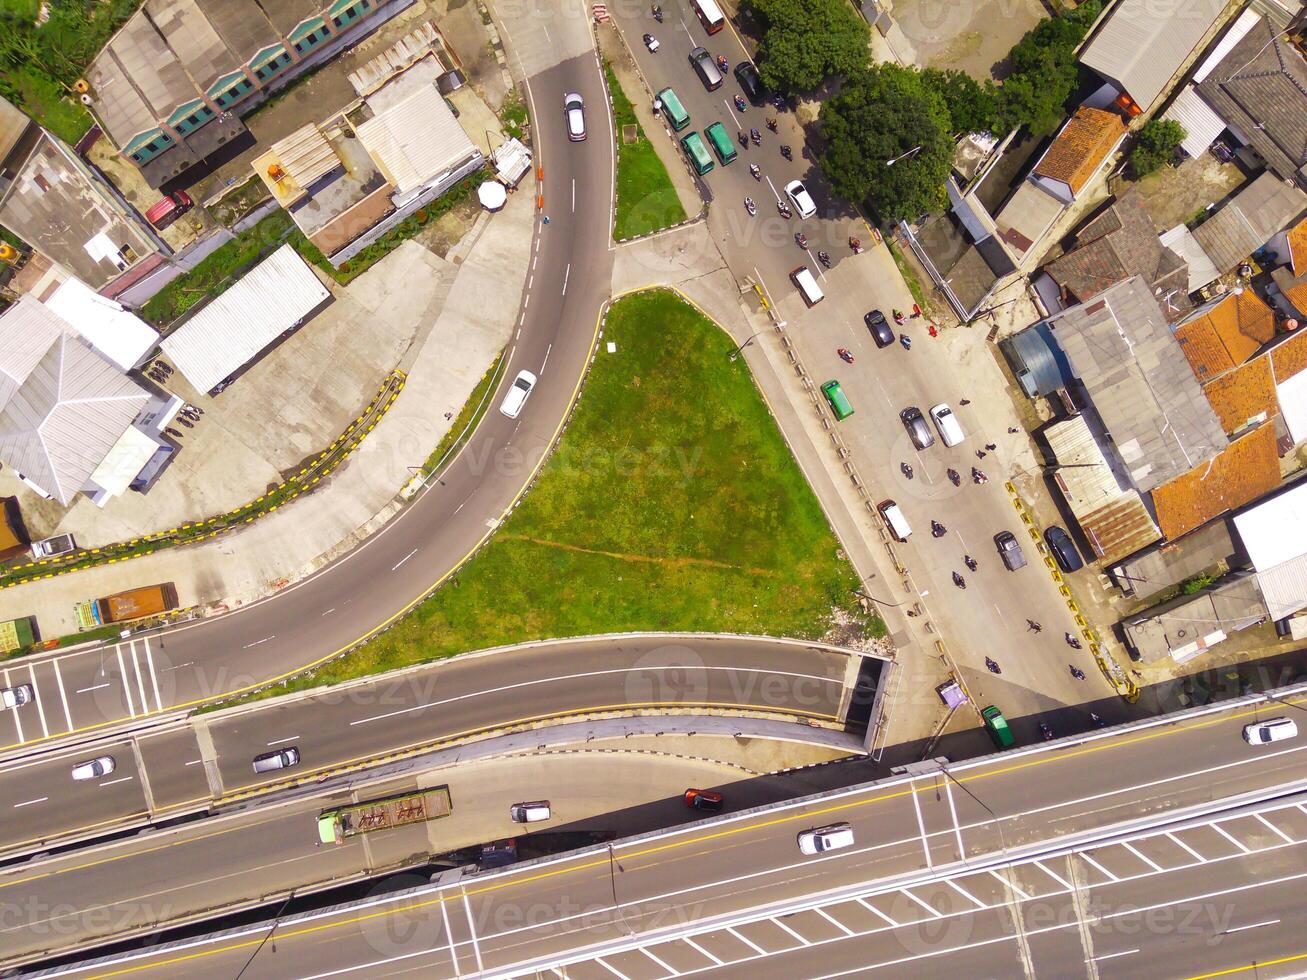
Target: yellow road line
x=1254 y=967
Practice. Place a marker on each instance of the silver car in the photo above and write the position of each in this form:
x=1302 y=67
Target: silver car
x=574 y=113
x=101 y=765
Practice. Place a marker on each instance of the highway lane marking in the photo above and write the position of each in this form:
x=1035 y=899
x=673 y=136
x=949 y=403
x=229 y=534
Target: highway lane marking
x=18 y=722
x=257 y=642
x=953 y=812
x=63 y=695
x=404 y=559
x=472 y=930
x=574 y=195
x=38 y=697
x=194 y=762
x=122 y=674
x=1111 y=956
x=921 y=825
x=567 y=273
x=121 y=779
x=1252 y=925
x=154 y=678
x=30 y=802
x=546 y=360
x=449 y=934
x=329 y=611
x=93 y=687
x=288 y=738
x=734 y=118
x=140 y=682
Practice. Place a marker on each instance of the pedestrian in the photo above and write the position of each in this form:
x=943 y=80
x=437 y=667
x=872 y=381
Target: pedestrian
x=546 y=221
x=448 y=416
x=980 y=454
x=991 y=446
x=965 y=401
x=1032 y=626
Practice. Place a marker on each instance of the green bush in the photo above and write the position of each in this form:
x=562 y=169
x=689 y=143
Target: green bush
x=1155 y=145
x=805 y=42
x=1044 y=71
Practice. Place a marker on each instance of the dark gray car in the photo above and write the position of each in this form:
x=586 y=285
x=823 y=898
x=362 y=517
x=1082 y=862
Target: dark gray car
x=1064 y=549
x=1009 y=548
x=880 y=330
x=918 y=430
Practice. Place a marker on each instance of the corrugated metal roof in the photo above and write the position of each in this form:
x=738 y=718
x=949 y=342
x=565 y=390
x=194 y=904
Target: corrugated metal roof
x=1245 y=23
x=1202 y=270
x=1284 y=587
x=27 y=329
x=1275 y=530
x=122 y=337
x=1249 y=220
x=1292 y=396
x=416 y=141
x=1143 y=43
x=233 y=329
x=1201 y=123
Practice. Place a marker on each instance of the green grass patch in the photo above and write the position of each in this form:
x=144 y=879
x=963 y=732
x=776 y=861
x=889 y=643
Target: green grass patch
x=45 y=100
x=908 y=273
x=646 y=199
x=514 y=115
x=466 y=422
x=672 y=503
x=219 y=270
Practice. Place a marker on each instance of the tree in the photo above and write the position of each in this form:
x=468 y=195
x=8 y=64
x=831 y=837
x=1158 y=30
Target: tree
x=970 y=105
x=804 y=42
x=1043 y=71
x=881 y=114
x=1155 y=145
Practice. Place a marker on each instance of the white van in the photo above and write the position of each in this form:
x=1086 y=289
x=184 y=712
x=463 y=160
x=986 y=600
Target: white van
x=517 y=392
x=530 y=812
x=898 y=524
x=806 y=283
x=823 y=839
x=949 y=430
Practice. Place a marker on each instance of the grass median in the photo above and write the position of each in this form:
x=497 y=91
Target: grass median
x=672 y=503
x=646 y=199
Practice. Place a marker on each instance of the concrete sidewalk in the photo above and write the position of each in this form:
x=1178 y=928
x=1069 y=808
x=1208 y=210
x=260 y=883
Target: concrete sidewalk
x=473 y=306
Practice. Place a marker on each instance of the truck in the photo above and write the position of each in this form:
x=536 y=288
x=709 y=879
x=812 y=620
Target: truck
x=16 y=634
x=149 y=600
x=338 y=825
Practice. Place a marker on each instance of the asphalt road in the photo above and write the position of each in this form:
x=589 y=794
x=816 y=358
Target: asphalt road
x=394 y=569
x=1116 y=788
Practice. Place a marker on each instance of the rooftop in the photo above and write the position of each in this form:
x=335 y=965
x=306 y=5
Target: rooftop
x=1143 y=43
x=1249 y=220
x=1139 y=383
x=1083 y=144
x=1298 y=248
x=1189 y=625
x=1260 y=88
x=1225 y=333
x=1289 y=356
x=1244 y=395
x=1246 y=469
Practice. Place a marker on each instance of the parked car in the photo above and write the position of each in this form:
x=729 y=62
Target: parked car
x=101 y=765
x=881 y=332
x=60 y=544
x=707 y=800
x=1271 y=730
x=747 y=75
x=950 y=431
x=918 y=431
x=1009 y=549
x=530 y=812
x=16 y=697
x=1063 y=549
x=803 y=202
x=822 y=839
x=168 y=209
x=574 y=113
x=517 y=394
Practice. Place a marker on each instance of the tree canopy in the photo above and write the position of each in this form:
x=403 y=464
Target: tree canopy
x=1044 y=71
x=1155 y=145
x=970 y=105
x=804 y=42
x=881 y=114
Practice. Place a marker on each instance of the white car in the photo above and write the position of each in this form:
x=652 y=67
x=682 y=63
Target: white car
x=574 y=112
x=1271 y=730
x=16 y=697
x=822 y=839
x=803 y=202
x=517 y=393
x=94 y=768
x=949 y=430
x=530 y=812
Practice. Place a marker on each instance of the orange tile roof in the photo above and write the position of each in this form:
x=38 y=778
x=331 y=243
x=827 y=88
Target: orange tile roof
x=1082 y=145
x=1297 y=294
x=1226 y=335
x=1298 y=248
x=1289 y=357
x=1246 y=469
x=1243 y=394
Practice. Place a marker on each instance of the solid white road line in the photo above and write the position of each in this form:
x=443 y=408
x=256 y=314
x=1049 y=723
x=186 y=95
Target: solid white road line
x=257 y=642
x=154 y=679
x=140 y=680
x=921 y=826
x=1176 y=840
x=121 y=779
x=18 y=723
x=288 y=738
x=93 y=687
x=1110 y=956
x=404 y=559
x=449 y=934
x=38 y=697
x=566 y=275
x=546 y=360
x=957 y=831
x=122 y=675
x=472 y=929
x=30 y=802
x=1251 y=925
x=63 y=695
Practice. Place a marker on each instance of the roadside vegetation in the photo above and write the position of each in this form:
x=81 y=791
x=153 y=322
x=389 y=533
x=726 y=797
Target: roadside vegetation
x=646 y=199
x=671 y=503
x=466 y=422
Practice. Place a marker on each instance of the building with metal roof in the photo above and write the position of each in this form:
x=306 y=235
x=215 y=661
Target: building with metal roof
x=1192 y=624
x=170 y=86
x=1139 y=383
x=52 y=201
x=1142 y=44
x=1274 y=534
x=220 y=338
x=1249 y=220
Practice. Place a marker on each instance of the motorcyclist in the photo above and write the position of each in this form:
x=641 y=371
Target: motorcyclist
x=749 y=205
x=959 y=581
x=756 y=171
x=970 y=562
x=938 y=529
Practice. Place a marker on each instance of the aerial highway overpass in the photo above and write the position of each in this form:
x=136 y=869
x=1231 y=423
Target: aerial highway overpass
x=1147 y=817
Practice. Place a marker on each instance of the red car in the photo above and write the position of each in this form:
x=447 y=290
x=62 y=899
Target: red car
x=706 y=800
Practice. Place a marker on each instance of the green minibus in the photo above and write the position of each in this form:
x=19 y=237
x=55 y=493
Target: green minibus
x=699 y=156
x=672 y=108
x=721 y=143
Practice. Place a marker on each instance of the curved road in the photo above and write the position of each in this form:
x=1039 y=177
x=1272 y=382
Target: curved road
x=365 y=591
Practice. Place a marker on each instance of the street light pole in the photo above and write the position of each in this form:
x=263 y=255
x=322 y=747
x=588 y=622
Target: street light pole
x=902 y=156
x=736 y=353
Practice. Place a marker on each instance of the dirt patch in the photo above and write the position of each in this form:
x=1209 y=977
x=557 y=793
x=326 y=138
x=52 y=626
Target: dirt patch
x=973 y=36
x=445 y=232
x=1175 y=195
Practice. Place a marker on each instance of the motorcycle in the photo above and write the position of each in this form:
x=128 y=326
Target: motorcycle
x=801 y=240
x=1077 y=673
x=898 y=318
x=906 y=341
x=651 y=42
x=785 y=152
x=1097 y=720
x=778 y=102
x=756 y=171
x=1045 y=731
x=744 y=140
x=824 y=258
x=954 y=478
x=906 y=470
x=855 y=245
x=937 y=530
x=959 y=581
x=1072 y=641
x=722 y=63
x=750 y=206
x=978 y=477
x=771 y=123
x=845 y=355
x=740 y=104
x=784 y=209
x=993 y=666
x=970 y=562
x=657 y=12
x=756 y=137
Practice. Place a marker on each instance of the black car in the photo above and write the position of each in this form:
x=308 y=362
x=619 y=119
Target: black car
x=1009 y=548
x=747 y=75
x=881 y=332
x=1064 y=549
x=918 y=431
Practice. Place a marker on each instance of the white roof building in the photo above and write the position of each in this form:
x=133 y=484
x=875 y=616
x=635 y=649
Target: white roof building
x=1274 y=533
x=416 y=142
x=226 y=334
x=118 y=334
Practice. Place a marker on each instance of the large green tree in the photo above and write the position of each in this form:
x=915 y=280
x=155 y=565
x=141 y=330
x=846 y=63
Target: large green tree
x=1155 y=145
x=881 y=114
x=971 y=105
x=1044 y=71
x=804 y=42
